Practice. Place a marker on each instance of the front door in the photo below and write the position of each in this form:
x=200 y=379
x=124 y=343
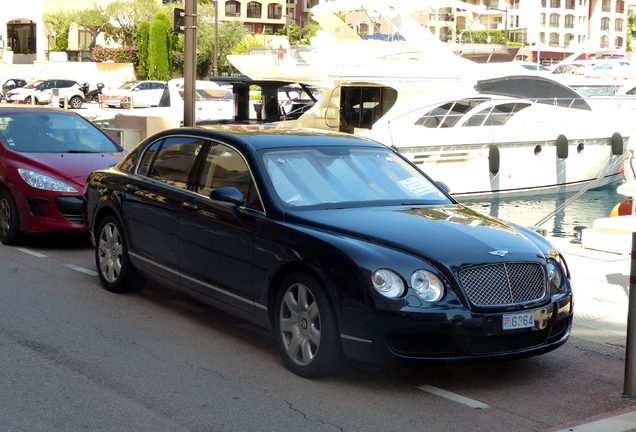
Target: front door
x=216 y=240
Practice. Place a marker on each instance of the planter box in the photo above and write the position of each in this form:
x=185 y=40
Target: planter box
x=23 y=58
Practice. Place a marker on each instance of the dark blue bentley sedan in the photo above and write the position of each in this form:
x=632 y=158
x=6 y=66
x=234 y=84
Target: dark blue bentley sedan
x=338 y=243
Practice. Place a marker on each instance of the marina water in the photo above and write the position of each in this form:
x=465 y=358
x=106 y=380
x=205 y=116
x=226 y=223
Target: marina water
x=527 y=211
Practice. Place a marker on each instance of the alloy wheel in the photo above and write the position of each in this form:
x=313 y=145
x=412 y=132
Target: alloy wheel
x=110 y=252
x=300 y=325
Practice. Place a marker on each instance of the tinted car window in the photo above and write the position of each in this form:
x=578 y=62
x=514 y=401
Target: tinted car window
x=224 y=167
x=314 y=176
x=55 y=132
x=172 y=161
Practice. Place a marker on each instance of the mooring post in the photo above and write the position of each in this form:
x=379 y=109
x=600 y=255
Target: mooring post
x=629 y=389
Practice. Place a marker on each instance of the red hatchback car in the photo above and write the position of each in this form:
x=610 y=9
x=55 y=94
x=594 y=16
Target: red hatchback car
x=45 y=158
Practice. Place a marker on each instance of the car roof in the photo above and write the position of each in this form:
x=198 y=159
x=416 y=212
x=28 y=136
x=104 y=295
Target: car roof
x=13 y=108
x=260 y=137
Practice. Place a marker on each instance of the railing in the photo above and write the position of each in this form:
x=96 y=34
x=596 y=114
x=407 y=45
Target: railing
x=554 y=25
x=569 y=25
x=274 y=16
x=253 y=14
x=233 y=14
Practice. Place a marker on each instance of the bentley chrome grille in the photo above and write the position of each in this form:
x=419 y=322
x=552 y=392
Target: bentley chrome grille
x=504 y=284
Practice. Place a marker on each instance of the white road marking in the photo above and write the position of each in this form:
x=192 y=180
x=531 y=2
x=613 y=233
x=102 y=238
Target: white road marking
x=454 y=397
x=30 y=252
x=619 y=423
x=81 y=269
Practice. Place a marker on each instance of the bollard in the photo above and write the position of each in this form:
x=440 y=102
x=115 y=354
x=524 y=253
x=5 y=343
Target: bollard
x=629 y=388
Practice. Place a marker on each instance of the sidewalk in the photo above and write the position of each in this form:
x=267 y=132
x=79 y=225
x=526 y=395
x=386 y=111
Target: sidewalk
x=601 y=293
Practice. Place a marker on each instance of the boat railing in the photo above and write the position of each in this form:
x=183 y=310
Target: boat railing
x=284 y=56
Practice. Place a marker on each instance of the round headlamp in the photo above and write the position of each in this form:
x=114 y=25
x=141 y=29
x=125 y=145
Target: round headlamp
x=427 y=286
x=388 y=283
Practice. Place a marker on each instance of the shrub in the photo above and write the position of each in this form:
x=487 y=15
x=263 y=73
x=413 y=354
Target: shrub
x=117 y=55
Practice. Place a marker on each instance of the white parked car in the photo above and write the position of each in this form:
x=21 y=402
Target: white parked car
x=142 y=93
x=41 y=92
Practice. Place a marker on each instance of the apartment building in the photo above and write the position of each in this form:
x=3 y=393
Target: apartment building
x=553 y=29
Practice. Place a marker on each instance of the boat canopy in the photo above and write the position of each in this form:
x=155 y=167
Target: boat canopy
x=538 y=88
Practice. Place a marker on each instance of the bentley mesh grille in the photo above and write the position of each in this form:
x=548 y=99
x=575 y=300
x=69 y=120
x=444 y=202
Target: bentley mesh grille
x=504 y=284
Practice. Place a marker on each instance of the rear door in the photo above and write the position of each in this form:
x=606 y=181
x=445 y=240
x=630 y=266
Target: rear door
x=153 y=199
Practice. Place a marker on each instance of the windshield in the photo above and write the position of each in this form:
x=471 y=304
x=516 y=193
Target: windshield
x=347 y=176
x=54 y=132
x=33 y=84
x=128 y=85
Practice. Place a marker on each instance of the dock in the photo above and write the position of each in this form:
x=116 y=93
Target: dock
x=601 y=291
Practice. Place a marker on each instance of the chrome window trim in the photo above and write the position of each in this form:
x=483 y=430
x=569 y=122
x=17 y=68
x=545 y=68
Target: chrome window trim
x=210 y=140
x=199 y=282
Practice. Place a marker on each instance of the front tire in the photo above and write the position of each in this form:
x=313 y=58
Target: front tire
x=27 y=100
x=75 y=102
x=10 y=232
x=111 y=257
x=306 y=326
x=125 y=104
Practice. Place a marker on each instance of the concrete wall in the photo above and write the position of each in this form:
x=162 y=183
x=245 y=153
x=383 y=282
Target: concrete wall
x=110 y=74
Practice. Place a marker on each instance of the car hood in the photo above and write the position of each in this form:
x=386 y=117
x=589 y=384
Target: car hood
x=71 y=166
x=20 y=90
x=452 y=234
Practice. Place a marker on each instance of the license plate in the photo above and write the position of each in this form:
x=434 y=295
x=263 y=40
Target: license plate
x=518 y=320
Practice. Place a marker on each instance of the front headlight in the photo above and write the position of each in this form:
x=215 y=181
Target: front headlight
x=555 y=275
x=427 y=286
x=42 y=181
x=388 y=283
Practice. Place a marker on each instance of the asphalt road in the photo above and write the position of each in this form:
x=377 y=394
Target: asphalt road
x=75 y=357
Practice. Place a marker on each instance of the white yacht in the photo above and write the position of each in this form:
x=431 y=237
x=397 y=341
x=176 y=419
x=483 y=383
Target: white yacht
x=524 y=134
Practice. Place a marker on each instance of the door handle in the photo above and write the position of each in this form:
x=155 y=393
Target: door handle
x=132 y=188
x=190 y=205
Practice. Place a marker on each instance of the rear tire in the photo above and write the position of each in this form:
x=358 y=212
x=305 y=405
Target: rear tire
x=27 y=100
x=111 y=257
x=126 y=104
x=306 y=326
x=10 y=232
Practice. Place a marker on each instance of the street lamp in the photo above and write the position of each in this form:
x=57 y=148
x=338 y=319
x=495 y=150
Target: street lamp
x=300 y=25
x=505 y=24
x=215 y=64
x=50 y=38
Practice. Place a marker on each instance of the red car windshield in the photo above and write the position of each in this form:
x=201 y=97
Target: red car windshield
x=54 y=132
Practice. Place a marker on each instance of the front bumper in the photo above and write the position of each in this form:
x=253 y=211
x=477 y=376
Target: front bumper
x=49 y=213
x=453 y=336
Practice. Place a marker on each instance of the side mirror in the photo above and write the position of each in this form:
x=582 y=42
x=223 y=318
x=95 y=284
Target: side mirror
x=229 y=195
x=444 y=186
